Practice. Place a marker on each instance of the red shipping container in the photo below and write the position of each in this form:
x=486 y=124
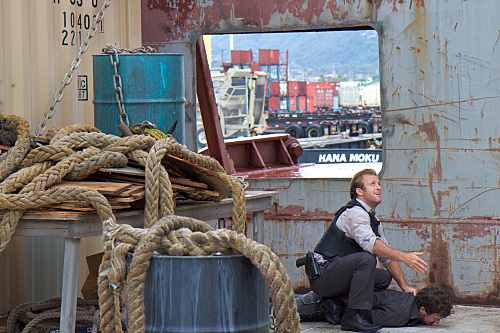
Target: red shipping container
x=310 y=104
x=274 y=88
x=273 y=103
x=292 y=103
x=302 y=88
x=254 y=66
x=293 y=88
x=269 y=57
x=241 y=57
x=323 y=97
x=302 y=103
x=311 y=86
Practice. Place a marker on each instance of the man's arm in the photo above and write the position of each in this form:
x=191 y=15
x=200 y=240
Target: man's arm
x=411 y=260
x=397 y=273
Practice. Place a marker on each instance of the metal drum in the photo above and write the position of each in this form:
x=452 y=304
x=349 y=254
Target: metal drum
x=153 y=90
x=205 y=294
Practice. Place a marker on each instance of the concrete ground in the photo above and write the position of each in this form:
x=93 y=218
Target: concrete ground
x=464 y=319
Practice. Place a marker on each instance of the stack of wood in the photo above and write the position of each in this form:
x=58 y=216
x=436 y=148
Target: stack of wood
x=124 y=188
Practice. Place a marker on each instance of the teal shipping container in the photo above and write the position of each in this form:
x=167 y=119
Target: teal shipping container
x=153 y=90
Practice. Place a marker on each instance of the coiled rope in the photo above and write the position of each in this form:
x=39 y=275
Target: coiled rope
x=77 y=151
x=175 y=235
x=45 y=315
x=20 y=133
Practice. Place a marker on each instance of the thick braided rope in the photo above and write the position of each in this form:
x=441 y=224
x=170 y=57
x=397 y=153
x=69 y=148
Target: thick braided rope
x=64 y=131
x=11 y=161
x=161 y=236
x=46 y=153
x=113 y=268
x=50 y=309
x=159 y=198
x=22 y=202
x=39 y=184
x=22 y=177
x=40 y=172
x=50 y=305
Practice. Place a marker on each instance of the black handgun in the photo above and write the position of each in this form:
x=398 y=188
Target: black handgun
x=312 y=268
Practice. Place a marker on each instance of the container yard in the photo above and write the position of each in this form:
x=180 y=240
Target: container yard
x=113 y=220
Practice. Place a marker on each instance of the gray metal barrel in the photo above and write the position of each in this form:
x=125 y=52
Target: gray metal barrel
x=205 y=294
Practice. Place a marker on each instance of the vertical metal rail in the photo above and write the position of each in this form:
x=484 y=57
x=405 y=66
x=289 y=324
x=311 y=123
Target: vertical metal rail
x=208 y=109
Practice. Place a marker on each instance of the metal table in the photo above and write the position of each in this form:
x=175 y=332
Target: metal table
x=74 y=228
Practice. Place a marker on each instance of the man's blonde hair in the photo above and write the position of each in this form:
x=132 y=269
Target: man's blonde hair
x=357 y=181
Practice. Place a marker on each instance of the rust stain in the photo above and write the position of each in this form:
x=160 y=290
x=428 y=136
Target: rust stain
x=420 y=229
x=431 y=132
x=439 y=265
x=464 y=232
x=297 y=211
x=433 y=196
x=441 y=195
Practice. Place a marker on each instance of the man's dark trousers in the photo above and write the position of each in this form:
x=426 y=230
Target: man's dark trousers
x=354 y=275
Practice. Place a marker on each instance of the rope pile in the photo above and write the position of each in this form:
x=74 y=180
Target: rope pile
x=175 y=235
x=45 y=315
x=77 y=151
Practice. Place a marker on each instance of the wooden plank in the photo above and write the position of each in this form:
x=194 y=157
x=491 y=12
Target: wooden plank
x=127 y=170
x=200 y=174
x=131 y=191
x=195 y=190
x=117 y=178
x=85 y=207
x=187 y=182
x=105 y=188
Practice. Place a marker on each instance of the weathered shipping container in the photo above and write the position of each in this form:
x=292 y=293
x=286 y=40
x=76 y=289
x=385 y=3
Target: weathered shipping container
x=269 y=57
x=323 y=97
x=293 y=88
x=349 y=97
x=302 y=102
x=438 y=73
x=274 y=88
x=370 y=94
x=38 y=42
x=241 y=57
x=273 y=103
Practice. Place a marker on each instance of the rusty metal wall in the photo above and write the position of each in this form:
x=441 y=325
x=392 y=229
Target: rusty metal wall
x=439 y=93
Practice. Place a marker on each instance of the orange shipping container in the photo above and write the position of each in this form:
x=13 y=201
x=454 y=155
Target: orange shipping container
x=302 y=103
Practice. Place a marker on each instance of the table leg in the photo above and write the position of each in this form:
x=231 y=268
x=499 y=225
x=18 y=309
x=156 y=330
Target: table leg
x=258 y=226
x=70 y=284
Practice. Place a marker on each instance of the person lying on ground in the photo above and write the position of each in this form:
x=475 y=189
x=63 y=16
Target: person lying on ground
x=391 y=308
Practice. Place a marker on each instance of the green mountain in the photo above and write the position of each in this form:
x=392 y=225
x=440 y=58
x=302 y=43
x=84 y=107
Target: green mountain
x=349 y=53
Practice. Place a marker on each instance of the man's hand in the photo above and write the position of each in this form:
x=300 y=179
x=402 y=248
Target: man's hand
x=413 y=261
x=411 y=290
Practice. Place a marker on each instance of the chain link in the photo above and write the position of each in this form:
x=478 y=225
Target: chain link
x=49 y=112
x=117 y=79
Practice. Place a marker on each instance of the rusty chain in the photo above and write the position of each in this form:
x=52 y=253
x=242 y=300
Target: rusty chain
x=58 y=95
x=117 y=79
